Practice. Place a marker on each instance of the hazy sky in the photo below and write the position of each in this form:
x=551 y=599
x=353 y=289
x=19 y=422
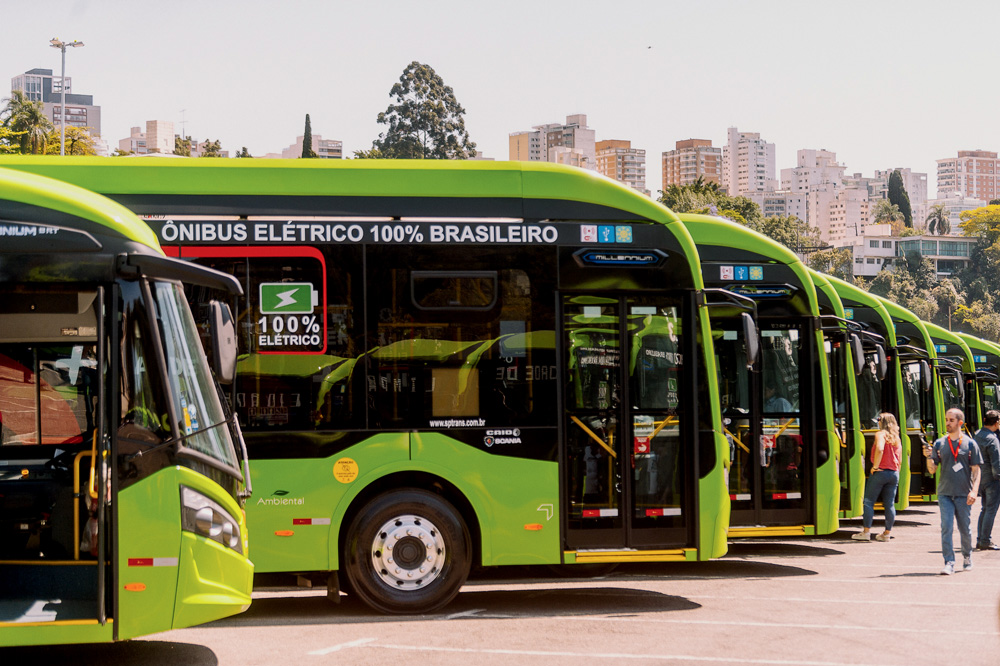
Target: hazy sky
x=883 y=84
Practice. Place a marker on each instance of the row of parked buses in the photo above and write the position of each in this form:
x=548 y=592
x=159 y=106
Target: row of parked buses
x=441 y=365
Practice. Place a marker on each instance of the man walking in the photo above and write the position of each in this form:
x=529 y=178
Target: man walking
x=989 y=480
x=958 y=485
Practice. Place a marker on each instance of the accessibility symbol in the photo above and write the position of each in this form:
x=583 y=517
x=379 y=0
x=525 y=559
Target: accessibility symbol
x=287 y=298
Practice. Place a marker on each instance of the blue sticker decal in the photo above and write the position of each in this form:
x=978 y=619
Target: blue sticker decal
x=605 y=234
x=623 y=234
x=740 y=272
x=756 y=272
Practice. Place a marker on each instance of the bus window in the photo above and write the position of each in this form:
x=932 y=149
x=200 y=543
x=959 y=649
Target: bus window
x=869 y=388
x=911 y=394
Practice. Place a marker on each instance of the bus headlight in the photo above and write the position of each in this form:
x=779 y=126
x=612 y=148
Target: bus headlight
x=205 y=517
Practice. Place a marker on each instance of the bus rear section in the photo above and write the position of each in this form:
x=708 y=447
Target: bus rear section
x=106 y=467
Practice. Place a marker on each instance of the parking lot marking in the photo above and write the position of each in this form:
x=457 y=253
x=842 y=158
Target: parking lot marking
x=338 y=648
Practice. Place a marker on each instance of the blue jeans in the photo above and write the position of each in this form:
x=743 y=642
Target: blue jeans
x=952 y=508
x=881 y=484
x=991 y=501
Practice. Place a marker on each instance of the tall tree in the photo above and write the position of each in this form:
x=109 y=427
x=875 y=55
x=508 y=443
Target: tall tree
x=937 y=220
x=307 y=140
x=10 y=142
x=426 y=121
x=836 y=261
x=243 y=152
x=27 y=118
x=898 y=196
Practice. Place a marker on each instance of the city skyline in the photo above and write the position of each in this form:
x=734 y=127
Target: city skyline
x=868 y=82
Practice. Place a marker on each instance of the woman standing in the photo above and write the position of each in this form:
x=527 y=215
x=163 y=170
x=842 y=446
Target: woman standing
x=884 y=479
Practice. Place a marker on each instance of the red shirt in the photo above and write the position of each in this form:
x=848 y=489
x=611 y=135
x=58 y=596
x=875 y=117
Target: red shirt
x=890 y=457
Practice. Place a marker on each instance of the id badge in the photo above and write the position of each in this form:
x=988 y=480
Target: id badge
x=957 y=467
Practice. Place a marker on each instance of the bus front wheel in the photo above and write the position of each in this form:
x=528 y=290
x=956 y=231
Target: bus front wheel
x=407 y=551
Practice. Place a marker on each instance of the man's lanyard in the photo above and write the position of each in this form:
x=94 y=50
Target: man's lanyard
x=954 y=452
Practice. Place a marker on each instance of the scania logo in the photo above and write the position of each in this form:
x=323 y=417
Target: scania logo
x=502 y=436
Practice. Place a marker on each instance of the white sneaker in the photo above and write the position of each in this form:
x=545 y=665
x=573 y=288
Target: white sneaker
x=862 y=536
x=967 y=564
x=949 y=569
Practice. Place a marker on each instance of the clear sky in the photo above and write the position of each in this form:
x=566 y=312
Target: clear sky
x=881 y=83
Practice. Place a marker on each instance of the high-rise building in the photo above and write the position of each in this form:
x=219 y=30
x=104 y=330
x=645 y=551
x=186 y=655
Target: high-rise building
x=572 y=143
x=158 y=138
x=617 y=159
x=692 y=159
x=747 y=163
x=39 y=85
x=974 y=173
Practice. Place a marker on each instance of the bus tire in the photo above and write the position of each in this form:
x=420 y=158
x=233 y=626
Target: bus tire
x=407 y=551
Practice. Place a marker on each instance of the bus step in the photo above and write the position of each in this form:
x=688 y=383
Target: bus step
x=599 y=556
x=775 y=531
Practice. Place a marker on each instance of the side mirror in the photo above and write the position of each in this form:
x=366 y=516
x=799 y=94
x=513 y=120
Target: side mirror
x=752 y=337
x=882 y=363
x=223 y=329
x=925 y=375
x=859 y=354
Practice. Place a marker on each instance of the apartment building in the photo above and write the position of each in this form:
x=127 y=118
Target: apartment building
x=617 y=159
x=571 y=143
x=747 y=163
x=158 y=138
x=973 y=173
x=692 y=159
x=40 y=85
x=878 y=248
x=780 y=203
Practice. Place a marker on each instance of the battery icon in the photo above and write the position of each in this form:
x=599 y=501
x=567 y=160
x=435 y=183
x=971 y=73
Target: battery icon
x=287 y=298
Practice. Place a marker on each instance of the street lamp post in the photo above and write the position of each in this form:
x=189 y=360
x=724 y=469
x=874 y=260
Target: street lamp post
x=56 y=44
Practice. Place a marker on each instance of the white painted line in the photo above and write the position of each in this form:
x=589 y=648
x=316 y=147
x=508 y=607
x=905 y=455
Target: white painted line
x=613 y=655
x=880 y=602
x=790 y=625
x=338 y=648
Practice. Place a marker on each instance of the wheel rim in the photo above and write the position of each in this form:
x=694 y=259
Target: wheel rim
x=408 y=552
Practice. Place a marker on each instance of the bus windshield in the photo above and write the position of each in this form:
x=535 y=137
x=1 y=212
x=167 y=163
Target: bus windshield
x=192 y=389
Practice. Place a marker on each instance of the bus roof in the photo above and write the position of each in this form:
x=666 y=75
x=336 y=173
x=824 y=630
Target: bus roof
x=735 y=243
x=912 y=327
x=852 y=296
x=32 y=199
x=826 y=294
x=956 y=346
x=441 y=188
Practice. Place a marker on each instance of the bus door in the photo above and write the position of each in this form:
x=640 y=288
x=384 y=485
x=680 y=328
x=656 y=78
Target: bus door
x=835 y=341
x=627 y=477
x=768 y=479
x=918 y=401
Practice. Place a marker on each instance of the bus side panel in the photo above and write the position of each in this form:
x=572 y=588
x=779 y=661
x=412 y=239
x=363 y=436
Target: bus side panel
x=213 y=581
x=516 y=500
x=714 y=505
x=292 y=511
x=828 y=486
x=149 y=546
x=857 y=473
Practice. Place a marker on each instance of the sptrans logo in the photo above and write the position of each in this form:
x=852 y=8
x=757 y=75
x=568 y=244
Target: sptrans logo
x=506 y=436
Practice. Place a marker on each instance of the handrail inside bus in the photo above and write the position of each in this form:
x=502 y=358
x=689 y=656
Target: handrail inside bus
x=594 y=437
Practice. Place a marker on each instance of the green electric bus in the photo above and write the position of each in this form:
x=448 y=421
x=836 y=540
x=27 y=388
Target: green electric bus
x=122 y=476
x=845 y=358
x=451 y=363
x=880 y=384
x=956 y=372
x=783 y=478
x=922 y=399
x=986 y=355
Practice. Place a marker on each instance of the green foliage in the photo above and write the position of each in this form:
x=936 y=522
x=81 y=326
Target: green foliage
x=243 y=152
x=27 y=120
x=937 y=220
x=909 y=231
x=373 y=154
x=426 y=121
x=182 y=146
x=307 y=140
x=838 y=262
x=898 y=196
x=788 y=230
x=981 y=317
x=78 y=142
x=886 y=212
x=211 y=148
x=994 y=202
x=121 y=153
x=10 y=142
